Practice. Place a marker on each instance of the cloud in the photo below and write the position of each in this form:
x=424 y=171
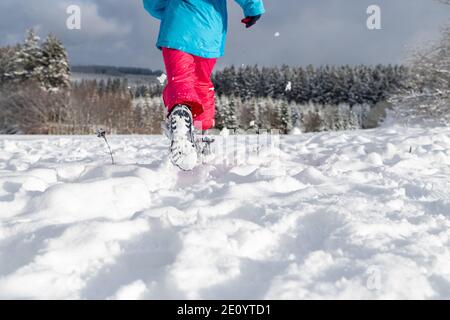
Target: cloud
x=311 y=31
x=50 y=16
x=335 y=32
x=98 y=27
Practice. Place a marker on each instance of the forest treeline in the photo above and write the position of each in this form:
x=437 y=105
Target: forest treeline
x=115 y=71
x=37 y=95
x=325 y=85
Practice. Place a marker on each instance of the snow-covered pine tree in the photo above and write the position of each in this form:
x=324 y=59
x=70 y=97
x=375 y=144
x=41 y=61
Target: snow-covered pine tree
x=353 y=119
x=285 y=84
x=296 y=115
x=339 y=85
x=56 y=72
x=28 y=61
x=7 y=55
x=248 y=80
x=221 y=101
x=266 y=83
x=278 y=85
x=226 y=82
x=345 y=117
x=229 y=113
x=269 y=116
x=254 y=108
x=350 y=79
x=328 y=83
x=299 y=86
x=286 y=116
x=311 y=88
x=357 y=88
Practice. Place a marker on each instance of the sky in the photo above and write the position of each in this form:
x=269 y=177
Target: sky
x=294 y=32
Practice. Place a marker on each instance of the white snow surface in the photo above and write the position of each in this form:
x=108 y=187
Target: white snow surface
x=345 y=215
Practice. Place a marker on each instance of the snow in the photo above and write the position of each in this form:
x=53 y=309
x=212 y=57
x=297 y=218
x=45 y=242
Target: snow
x=352 y=214
x=288 y=86
x=295 y=131
x=162 y=79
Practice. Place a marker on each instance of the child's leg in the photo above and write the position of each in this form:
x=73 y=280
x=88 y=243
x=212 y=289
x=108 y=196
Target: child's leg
x=181 y=81
x=205 y=91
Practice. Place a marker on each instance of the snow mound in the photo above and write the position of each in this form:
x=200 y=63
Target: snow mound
x=311 y=176
x=116 y=199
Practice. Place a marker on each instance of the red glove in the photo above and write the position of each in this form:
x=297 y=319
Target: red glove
x=250 y=21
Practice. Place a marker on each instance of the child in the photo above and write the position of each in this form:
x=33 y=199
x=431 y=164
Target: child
x=192 y=36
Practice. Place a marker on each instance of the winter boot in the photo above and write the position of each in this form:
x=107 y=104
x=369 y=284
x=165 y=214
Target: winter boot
x=183 y=151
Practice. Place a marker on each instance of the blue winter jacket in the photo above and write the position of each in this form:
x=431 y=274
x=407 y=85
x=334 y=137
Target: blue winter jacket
x=198 y=27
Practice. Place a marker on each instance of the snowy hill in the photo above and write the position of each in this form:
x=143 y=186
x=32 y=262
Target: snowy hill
x=357 y=214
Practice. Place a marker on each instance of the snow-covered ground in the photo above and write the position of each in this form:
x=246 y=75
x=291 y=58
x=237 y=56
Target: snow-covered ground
x=357 y=214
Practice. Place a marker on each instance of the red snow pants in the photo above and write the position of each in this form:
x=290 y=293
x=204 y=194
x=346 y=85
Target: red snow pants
x=189 y=83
